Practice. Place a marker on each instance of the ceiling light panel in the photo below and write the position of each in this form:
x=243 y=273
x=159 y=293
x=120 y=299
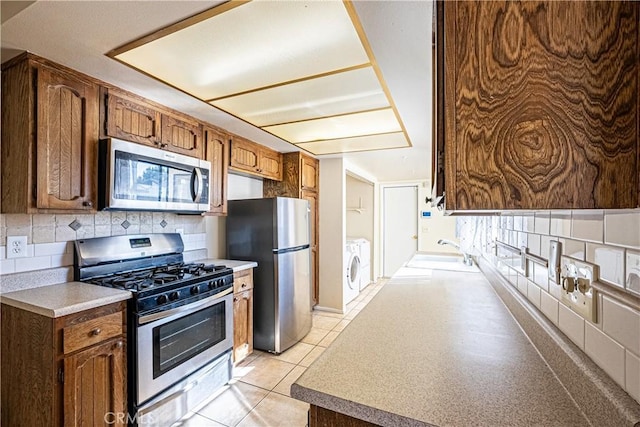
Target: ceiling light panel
x=330 y=95
x=367 y=123
x=362 y=143
x=255 y=45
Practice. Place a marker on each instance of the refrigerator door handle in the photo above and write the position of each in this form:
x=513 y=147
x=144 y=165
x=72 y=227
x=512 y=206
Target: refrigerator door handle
x=293 y=249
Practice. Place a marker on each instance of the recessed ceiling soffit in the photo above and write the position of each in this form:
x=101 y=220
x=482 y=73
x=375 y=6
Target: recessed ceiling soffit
x=302 y=71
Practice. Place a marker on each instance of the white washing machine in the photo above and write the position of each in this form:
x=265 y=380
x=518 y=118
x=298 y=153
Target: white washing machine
x=352 y=275
x=365 y=262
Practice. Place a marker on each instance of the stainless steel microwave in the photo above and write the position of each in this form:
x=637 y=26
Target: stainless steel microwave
x=136 y=177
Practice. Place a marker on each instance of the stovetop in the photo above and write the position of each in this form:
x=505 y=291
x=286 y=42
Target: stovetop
x=159 y=276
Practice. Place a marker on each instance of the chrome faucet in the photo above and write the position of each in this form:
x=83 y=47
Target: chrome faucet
x=467 y=258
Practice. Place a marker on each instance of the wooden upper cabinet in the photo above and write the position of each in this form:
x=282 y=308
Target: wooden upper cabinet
x=134 y=119
x=216 y=151
x=541 y=104
x=67 y=136
x=255 y=159
x=131 y=119
x=49 y=138
x=182 y=135
x=309 y=173
x=299 y=173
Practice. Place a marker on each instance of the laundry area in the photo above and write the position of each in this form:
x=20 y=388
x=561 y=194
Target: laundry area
x=360 y=231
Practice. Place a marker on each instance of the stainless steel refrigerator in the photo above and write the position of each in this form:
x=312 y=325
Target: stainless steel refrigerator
x=274 y=232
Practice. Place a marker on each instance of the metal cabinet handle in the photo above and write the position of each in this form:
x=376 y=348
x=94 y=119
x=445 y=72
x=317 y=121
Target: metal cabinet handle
x=244 y=285
x=235 y=299
x=95 y=332
x=119 y=344
x=87 y=203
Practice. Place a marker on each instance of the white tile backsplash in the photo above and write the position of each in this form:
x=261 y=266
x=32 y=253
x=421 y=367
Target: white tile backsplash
x=533 y=243
x=610 y=260
x=588 y=225
x=533 y=293
x=573 y=248
x=607 y=353
x=542 y=222
x=622 y=228
x=632 y=274
x=571 y=324
x=560 y=223
x=32 y=263
x=549 y=306
x=622 y=323
x=51 y=248
x=632 y=380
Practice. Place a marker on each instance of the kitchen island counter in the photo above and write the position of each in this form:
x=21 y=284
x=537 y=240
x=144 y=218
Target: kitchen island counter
x=440 y=350
x=64 y=298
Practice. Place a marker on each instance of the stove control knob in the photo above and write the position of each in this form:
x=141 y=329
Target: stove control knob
x=174 y=296
x=195 y=290
x=162 y=299
x=211 y=285
x=219 y=282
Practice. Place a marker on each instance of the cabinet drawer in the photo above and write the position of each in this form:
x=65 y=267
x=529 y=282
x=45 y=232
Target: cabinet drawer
x=91 y=332
x=242 y=280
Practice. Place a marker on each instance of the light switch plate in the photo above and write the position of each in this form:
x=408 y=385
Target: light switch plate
x=585 y=304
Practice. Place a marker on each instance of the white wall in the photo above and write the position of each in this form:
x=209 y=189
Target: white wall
x=332 y=231
x=437 y=226
x=239 y=187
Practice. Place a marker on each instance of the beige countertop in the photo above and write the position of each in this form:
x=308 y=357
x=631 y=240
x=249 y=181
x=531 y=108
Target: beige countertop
x=437 y=351
x=71 y=297
x=63 y=299
x=231 y=263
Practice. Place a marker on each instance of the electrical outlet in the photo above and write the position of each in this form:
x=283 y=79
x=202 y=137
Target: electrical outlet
x=575 y=278
x=16 y=246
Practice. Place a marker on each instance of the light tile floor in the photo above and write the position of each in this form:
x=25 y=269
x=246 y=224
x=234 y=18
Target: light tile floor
x=258 y=394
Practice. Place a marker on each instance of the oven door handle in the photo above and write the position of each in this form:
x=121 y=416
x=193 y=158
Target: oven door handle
x=185 y=309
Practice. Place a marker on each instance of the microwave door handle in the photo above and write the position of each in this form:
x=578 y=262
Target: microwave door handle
x=196 y=185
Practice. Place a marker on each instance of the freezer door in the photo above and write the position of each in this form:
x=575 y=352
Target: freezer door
x=292 y=216
x=293 y=298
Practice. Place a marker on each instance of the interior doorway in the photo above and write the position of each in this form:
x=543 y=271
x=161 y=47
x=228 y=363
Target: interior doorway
x=400 y=226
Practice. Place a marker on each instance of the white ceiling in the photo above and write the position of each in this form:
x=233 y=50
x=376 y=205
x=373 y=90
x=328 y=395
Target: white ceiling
x=79 y=34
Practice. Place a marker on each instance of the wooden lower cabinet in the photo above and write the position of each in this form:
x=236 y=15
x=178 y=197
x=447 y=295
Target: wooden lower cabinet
x=242 y=314
x=66 y=371
x=321 y=417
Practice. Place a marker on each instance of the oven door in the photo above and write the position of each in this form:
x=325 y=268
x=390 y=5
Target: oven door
x=173 y=344
x=146 y=178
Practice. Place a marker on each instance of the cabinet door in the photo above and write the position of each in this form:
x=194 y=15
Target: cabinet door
x=182 y=136
x=312 y=198
x=244 y=156
x=132 y=120
x=309 y=173
x=242 y=325
x=217 y=152
x=270 y=164
x=542 y=111
x=94 y=385
x=67 y=137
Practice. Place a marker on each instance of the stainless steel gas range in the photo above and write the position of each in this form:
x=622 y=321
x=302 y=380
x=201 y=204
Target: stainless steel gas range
x=180 y=321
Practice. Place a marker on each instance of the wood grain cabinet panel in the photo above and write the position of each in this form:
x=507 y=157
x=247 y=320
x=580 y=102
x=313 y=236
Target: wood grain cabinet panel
x=255 y=159
x=541 y=104
x=94 y=393
x=131 y=119
x=309 y=175
x=47 y=383
x=182 y=136
x=67 y=136
x=242 y=314
x=216 y=151
x=49 y=138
